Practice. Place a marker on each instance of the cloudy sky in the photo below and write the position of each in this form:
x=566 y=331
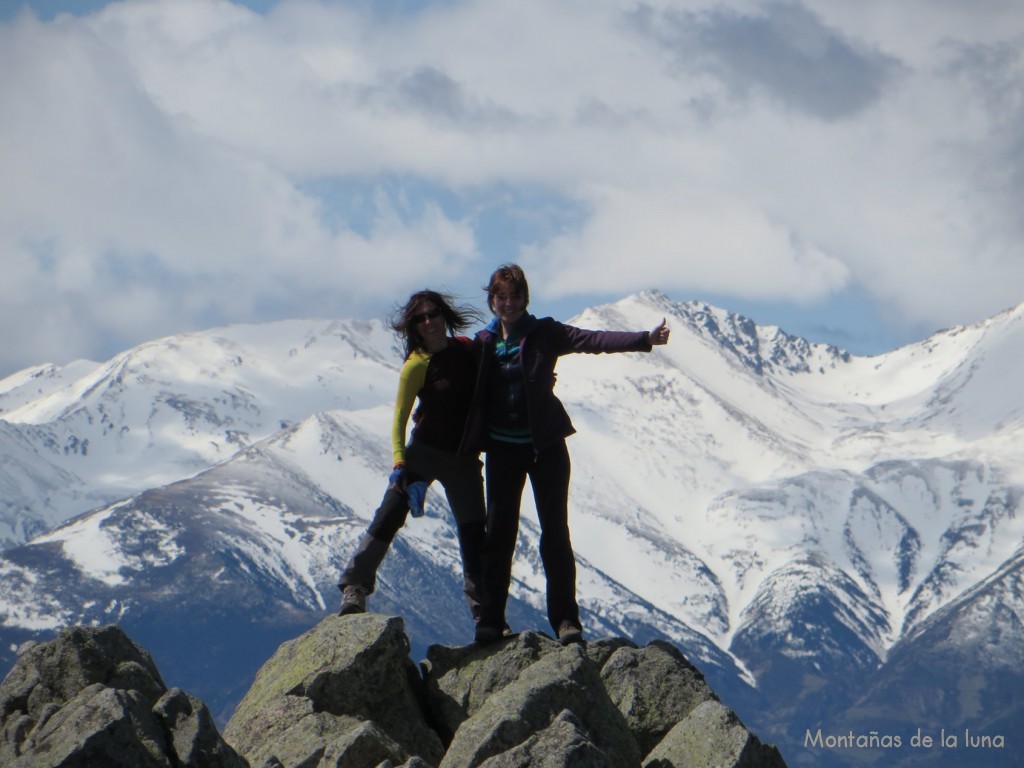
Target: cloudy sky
x=850 y=171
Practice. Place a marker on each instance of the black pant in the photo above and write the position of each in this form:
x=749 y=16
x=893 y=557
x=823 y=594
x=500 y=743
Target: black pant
x=461 y=478
x=508 y=466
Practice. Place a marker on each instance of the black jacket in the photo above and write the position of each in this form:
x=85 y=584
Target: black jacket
x=543 y=342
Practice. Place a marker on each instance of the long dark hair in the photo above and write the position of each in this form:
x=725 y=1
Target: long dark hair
x=457 y=317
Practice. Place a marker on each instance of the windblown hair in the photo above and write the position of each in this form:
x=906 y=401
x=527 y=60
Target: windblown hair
x=457 y=317
x=509 y=278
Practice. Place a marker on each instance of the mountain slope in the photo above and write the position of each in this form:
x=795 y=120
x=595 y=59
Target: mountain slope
x=792 y=517
x=252 y=548
x=171 y=408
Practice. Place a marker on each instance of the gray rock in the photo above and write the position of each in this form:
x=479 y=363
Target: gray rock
x=331 y=741
x=654 y=687
x=601 y=650
x=346 y=695
x=92 y=697
x=563 y=744
x=565 y=679
x=458 y=680
x=194 y=737
x=712 y=737
x=346 y=672
x=54 y=672
x=98 y=726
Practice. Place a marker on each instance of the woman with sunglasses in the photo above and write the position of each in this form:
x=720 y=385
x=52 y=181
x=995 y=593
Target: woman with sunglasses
x=439 y=371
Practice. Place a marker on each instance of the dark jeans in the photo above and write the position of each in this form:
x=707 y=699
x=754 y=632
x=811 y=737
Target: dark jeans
x=508 y=466
x=463 y=486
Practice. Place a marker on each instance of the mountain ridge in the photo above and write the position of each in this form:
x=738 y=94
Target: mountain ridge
x=789 y=515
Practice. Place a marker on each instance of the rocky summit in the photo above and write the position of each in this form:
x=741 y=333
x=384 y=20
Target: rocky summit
x=94 y=698
x=346 y=694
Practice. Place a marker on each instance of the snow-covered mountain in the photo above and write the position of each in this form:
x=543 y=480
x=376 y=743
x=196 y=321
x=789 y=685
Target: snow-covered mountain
x=92 y=433
x=834 y=540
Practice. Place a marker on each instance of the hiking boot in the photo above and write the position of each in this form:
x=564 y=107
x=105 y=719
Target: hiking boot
x=353 y=600
x=569 y=633
x=489 y=633
x=486 y=634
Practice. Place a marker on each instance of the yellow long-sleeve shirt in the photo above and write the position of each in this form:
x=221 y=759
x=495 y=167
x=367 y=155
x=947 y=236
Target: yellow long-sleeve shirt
x=443 y=382
x=410 y=382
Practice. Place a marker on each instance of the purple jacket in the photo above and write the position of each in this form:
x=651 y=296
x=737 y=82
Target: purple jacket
x=544 y=341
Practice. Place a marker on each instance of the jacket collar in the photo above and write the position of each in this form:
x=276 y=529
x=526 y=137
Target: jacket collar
x=522 y=327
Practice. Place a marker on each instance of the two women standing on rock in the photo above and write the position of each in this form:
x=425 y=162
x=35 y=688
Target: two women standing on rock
x=514 y=417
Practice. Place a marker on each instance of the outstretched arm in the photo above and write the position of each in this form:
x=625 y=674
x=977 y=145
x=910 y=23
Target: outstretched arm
x=572 y=339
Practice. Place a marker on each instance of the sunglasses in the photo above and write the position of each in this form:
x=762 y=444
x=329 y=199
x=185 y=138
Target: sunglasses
x=419 y=317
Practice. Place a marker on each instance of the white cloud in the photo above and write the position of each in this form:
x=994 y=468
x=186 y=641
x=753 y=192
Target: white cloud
x=164 y=161
x=684 y=240
x=123 y=218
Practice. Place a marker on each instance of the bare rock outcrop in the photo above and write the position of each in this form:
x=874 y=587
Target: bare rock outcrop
x=345 y=688
x=345 y=694
x=92 y=697
x=525 y=701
